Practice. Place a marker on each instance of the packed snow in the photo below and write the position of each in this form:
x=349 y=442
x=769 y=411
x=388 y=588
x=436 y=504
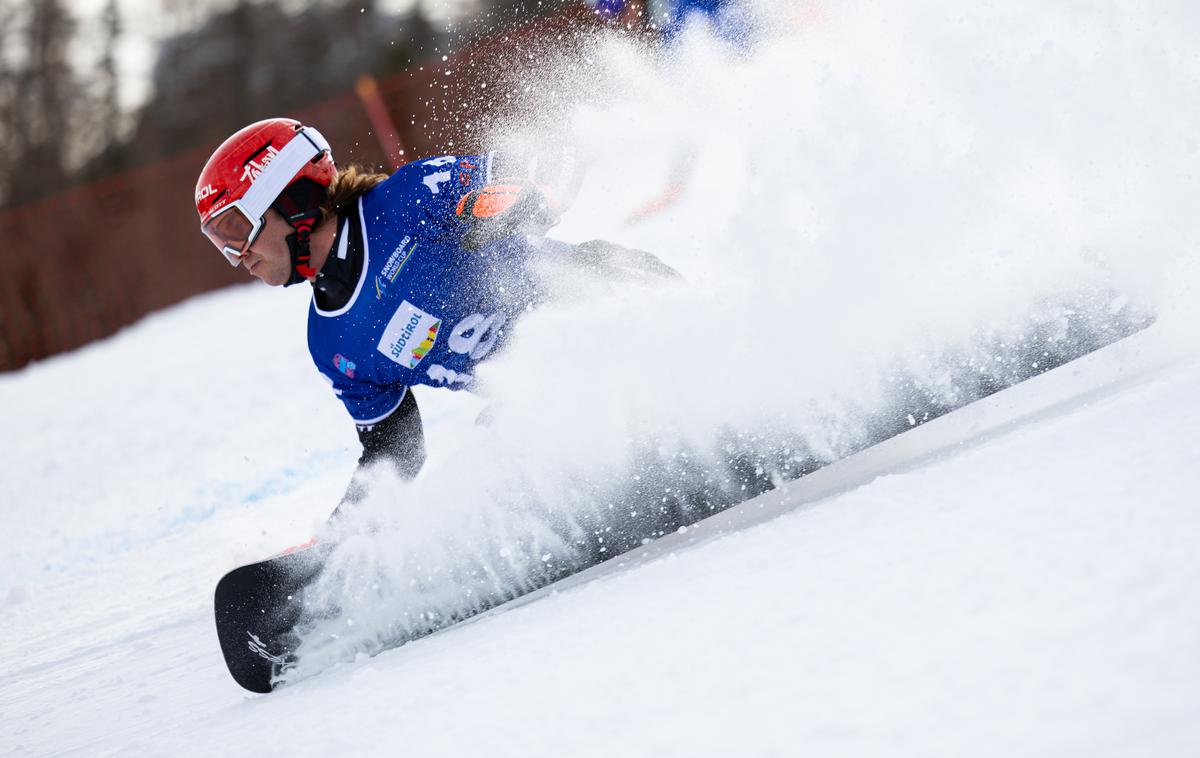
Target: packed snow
x=873 y=197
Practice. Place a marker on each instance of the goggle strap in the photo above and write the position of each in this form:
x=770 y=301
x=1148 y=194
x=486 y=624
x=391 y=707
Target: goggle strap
x=302 y=148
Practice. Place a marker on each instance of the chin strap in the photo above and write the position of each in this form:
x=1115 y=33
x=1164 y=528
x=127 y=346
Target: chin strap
x=300 y=204
x=298 y=246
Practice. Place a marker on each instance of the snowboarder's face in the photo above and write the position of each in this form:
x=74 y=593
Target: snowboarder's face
x=268 y=258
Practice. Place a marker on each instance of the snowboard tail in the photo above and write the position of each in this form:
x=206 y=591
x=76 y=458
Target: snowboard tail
x=257 y=607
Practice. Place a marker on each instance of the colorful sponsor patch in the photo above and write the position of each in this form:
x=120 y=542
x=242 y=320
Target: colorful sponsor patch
x=410 y=335
x=343 y=364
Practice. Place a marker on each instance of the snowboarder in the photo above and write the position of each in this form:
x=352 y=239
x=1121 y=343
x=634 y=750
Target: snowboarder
x=416 y=277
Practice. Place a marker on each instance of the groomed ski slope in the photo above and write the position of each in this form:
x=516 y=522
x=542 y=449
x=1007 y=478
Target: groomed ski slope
x=1031 y=592
x=884 y=190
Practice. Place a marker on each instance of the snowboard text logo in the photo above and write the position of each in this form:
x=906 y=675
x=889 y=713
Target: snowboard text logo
x=256 y=165
x=393 y=267
x=260 y=648
x=409 y=336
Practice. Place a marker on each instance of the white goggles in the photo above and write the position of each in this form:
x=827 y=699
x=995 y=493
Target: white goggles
x=234 y=228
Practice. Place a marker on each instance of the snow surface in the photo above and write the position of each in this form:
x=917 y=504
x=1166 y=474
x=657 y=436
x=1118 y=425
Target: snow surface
x=877 y=192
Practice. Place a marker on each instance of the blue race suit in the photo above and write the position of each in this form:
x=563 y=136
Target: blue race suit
x=423 y=310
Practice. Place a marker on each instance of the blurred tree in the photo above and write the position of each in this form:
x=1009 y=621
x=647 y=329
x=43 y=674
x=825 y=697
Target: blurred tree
x=494 y=16
x=215 y=72
x=256 y=60
x=100 y=144
x=414 y=40
x=107 y=79
x=44 y=94
x=7 y=104
x=181 y=15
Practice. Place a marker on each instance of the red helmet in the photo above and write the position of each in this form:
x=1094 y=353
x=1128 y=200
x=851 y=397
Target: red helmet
x=248 y=173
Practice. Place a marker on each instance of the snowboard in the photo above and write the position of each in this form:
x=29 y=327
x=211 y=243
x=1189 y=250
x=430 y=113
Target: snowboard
x=257 y=606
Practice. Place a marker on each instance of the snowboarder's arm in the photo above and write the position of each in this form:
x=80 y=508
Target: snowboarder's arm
x=526 y=192
x=398 y=440
x=555 y=169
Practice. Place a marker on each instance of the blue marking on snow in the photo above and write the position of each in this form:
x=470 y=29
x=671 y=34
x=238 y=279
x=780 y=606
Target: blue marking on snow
x=207 y=503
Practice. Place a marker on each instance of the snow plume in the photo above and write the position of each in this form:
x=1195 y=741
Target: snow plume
x=881 y=211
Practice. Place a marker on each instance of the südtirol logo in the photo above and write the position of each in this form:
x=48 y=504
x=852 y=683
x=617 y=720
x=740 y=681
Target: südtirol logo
x=409 y=335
